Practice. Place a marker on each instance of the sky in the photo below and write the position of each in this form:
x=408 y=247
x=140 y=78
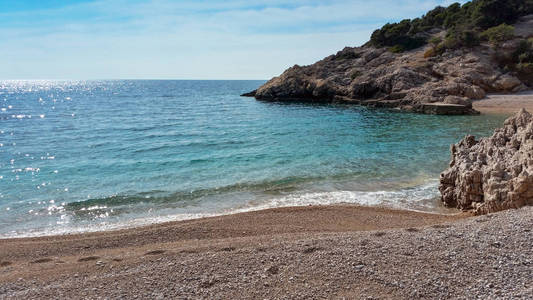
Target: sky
x=164 y=39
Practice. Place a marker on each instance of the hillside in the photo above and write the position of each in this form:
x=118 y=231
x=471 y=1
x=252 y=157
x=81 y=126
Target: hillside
x=437 y=64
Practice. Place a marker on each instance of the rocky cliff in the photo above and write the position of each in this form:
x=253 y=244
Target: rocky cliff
x=410 y=81
x=494 y=173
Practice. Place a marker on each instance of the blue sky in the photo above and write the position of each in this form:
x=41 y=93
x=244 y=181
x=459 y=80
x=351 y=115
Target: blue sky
x=164 y=39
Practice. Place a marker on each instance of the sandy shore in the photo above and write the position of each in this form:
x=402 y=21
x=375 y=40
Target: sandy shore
x=304 y=252
x=505 y=104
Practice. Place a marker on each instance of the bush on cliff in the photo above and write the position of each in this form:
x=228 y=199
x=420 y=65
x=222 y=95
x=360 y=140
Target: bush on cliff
x=460 y=37
x=498 y=34
x=520 y=61
x=465 y=21
x=397 y=35
x=524 y=52
x=523 y=59
x=436 y=49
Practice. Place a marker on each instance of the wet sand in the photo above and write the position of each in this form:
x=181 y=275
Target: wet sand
x=277 y=221
x=505 y=104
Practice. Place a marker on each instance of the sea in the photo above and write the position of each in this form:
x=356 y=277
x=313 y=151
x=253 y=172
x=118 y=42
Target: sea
x=81 y=156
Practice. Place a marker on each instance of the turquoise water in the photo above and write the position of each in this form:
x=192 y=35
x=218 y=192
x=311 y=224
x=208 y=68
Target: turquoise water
x=92 y=155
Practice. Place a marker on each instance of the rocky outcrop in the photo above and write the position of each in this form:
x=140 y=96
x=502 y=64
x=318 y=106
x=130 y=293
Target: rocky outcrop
x=494 y=173
x=408 y=81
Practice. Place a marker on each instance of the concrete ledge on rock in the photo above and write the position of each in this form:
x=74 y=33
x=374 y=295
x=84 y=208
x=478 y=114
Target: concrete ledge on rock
x=446 y=109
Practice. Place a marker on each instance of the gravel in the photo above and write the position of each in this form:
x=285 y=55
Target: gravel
x=486 y=257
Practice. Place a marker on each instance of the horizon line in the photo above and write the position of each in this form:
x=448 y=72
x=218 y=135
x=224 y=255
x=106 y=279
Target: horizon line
x=139 y=79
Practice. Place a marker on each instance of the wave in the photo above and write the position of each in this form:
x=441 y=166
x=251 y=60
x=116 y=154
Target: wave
x=158 y=197
x=422 y=198
x=279 y=193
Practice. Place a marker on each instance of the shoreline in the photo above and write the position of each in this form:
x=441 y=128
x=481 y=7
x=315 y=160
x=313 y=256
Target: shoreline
x=504 y=103
x=47 y=259
x=306 y=212
x=296 y=220
x=306 y=252
x=136 y=224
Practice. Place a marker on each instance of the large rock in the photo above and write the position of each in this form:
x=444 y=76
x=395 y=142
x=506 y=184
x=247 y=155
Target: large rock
x=494 y=173
x=507 y=83
x=408 y=81
x=458 y=100
x=474 y=92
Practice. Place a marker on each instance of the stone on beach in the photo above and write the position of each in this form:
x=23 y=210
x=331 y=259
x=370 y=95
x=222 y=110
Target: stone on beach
x=494 y=173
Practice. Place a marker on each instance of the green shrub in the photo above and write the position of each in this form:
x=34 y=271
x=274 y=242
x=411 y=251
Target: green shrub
x=521 y=61
x=435 y=41
x=489 y=13
x=525 y=68
x=347 y=55
x=469 y=38
x=397 y=34
x=437 y=47
x=397 y=49
x=524 y=52
x=451 y=42
x=453 y=15
x=440 y=48
x=458 y=38
x=498 y=34
x=466 y=20
x=525 y=58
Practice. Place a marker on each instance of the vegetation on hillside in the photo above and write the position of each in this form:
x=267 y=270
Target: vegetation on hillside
x=498 y=34
x=520 y=61
x=466 y=25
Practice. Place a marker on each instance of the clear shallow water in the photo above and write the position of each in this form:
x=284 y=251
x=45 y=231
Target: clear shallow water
x=93 y=155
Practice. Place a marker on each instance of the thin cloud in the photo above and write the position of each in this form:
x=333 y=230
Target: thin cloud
x=187 y=39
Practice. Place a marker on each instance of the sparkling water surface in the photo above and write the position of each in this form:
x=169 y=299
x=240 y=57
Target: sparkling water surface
x=93 y=155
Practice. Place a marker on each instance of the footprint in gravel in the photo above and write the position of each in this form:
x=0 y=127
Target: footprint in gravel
x=88 y=258
x=379 y=233
x=188 y=251
x=42 y=260
x=412 y=229
x=208 y=283
x=5 y=263
x=227 y=249
x=155 y=252
x=441 y=226
x=272 y=270
x=310 y=250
